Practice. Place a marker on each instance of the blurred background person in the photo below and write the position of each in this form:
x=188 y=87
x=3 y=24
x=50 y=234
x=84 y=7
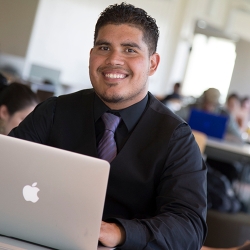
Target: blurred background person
x=176 y=94
x=243 y=115
x=232 y=109
x=174 y=100
x=16 y=102
x=233 y=105
x=209 y=102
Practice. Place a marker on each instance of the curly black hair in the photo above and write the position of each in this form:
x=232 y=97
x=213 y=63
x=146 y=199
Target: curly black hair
x=128 y=14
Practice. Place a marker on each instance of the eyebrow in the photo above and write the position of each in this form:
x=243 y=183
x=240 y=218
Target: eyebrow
x=126 y=44
x=101 y=42
x=131 y=44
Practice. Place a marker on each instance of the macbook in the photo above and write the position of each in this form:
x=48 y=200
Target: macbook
x=211 y=124
x=50 y=197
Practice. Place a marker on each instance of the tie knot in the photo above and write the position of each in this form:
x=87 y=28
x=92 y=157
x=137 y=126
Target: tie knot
x=111 y=121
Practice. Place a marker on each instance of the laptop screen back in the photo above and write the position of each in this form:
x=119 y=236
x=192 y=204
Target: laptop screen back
x=211 y=124
x=65 y=210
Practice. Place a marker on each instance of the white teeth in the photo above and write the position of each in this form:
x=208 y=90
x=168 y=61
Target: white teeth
x=120 y=76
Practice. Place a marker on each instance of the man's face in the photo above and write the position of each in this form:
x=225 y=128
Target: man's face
x=120 y=64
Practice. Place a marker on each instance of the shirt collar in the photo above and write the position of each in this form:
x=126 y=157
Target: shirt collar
x=129 y=115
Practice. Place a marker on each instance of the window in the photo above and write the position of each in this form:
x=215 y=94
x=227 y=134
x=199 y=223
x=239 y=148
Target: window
x=210 y=64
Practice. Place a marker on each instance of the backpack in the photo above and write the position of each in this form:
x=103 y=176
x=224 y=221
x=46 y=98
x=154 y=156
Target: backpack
x=220 y=193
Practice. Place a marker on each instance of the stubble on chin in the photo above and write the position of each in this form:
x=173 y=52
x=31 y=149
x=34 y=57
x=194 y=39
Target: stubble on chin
x=110 y=98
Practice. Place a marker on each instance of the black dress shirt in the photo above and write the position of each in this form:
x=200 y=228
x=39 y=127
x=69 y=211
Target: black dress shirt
x=129 y=118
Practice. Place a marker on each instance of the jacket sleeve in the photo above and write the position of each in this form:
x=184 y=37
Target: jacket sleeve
x=36 y=126
x=179 y=221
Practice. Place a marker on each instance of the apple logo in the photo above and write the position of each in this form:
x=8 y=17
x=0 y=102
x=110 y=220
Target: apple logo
x=30 y=193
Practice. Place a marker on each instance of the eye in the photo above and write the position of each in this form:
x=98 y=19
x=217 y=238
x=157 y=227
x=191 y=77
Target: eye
x=105 y=48
x=129 y=50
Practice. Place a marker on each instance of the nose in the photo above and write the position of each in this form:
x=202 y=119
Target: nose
x=114 y=58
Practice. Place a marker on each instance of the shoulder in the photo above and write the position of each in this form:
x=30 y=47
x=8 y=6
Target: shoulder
x=65 y=100
x=46 y=106
x=76 y=98
x=165 y=120
x=160 y=109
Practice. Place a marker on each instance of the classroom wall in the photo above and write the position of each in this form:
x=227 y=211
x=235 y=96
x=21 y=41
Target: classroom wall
x=16 y=22
x=240 y=82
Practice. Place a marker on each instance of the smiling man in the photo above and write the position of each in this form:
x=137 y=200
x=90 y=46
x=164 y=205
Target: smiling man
x=156 y=195
x=120 y=64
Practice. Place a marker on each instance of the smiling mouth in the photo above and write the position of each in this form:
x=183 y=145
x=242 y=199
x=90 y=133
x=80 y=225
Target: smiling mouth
x=115 y=76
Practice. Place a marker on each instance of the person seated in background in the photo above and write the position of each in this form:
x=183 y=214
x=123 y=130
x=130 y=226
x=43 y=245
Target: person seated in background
x=243 y=115
x=174 y=95
x=16 y=102
x=232 y=109
x=209 y=102
x=174 y=100
x=232 y=105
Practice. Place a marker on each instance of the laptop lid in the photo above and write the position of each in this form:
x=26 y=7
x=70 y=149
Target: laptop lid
x=50 y=196
x=211 y=124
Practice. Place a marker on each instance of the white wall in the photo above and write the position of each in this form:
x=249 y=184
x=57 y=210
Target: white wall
x=63 y=36
x=240 y=82
x=16 y=21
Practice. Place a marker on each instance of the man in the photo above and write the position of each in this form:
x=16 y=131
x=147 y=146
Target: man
x=156 y=195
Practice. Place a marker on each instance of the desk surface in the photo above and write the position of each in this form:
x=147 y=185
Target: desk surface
x=227 y=151
x=242 y=149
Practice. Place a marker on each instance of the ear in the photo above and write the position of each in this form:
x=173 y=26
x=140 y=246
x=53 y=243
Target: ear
x=4 y=113
x=154 y=62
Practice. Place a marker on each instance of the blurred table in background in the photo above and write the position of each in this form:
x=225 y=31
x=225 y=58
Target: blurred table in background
x=227 y=151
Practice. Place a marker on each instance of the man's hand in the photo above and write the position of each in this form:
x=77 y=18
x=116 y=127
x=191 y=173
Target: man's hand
x=111 y=234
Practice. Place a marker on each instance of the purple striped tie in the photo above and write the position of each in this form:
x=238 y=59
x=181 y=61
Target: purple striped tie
x=107 y=146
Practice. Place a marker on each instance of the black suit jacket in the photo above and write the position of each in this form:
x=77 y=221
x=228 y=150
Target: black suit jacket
x=157 y=182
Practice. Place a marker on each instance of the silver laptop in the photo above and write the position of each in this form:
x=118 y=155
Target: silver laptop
x=49 y=196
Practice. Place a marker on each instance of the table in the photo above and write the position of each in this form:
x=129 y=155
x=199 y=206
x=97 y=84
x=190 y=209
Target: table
x=227 y=151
